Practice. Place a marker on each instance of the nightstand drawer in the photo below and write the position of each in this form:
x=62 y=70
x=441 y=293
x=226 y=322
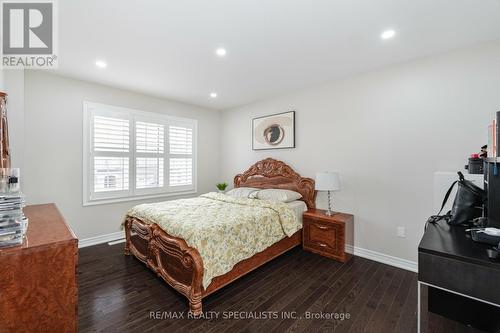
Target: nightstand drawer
x=323 y=237
x=328 y=235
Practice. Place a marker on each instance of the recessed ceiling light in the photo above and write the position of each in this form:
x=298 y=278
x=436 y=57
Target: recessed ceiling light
x=213 y=95
x=101 y=64
x=388 y=34
x=221 y=52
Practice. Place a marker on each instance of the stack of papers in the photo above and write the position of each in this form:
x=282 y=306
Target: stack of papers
x=13 y=223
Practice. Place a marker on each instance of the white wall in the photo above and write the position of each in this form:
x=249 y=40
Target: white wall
x=53 y=146
x=2 y=87
x=387 y=132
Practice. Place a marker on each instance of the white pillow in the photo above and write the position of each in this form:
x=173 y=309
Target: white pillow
x=278 y=195
x=242 y=192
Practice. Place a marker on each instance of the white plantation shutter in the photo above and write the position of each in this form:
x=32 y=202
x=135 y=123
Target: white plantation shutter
x=150 y=137
x=181 y=171
x=110 y=173
x=149 y=172
x=150 y=146
x=181 y=159
x=111 y=137
x=130 y=154
x=111 y=134
x=181 y=140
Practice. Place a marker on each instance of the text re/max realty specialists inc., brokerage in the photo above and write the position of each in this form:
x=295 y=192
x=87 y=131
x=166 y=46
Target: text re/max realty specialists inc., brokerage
x=242 y=315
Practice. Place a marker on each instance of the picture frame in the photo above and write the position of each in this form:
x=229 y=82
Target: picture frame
x=275 y=131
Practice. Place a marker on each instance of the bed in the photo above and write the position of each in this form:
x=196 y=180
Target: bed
x=182 y=266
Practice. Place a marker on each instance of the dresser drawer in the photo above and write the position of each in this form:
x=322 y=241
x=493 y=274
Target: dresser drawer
x=459 y=276
x=324 y=238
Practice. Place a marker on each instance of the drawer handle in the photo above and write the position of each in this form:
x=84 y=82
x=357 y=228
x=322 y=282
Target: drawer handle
x=322 y=244
x=322 y=227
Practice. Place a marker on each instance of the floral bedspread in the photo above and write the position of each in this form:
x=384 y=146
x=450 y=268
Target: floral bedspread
x=224 y=230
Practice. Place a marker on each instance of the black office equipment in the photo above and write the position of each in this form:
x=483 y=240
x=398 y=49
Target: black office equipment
x=493 y=253
x=481 y=237
x=492 y=187
x=498 y=134
x=457 y=279
x=475 y=165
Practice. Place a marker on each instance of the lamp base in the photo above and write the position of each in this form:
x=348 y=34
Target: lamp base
x=330 y=213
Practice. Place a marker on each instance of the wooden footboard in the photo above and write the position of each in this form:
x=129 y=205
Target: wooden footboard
x=181 y=266
x=170 y=257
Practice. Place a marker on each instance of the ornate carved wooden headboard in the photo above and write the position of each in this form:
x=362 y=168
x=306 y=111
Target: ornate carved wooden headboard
x=271 y=173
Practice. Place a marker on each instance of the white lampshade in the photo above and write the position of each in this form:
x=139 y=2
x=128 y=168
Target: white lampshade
x=327 y=181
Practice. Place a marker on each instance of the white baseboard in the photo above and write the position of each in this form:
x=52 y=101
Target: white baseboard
x=383 y=258
x=101 y=239
x=117 y=241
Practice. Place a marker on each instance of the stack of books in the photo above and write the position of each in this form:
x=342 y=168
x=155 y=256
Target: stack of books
x=494 y=138
x=13 y=223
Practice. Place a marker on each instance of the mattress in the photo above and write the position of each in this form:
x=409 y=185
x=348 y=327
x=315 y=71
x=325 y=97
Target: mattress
x=298 y=207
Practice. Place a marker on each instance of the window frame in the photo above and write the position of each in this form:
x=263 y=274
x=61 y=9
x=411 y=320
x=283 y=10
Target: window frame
x=95 y=198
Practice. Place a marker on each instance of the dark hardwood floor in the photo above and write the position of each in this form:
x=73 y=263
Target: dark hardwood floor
x=119 y=294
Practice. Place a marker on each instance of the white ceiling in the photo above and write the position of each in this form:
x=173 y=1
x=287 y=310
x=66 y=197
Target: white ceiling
x=167 y=48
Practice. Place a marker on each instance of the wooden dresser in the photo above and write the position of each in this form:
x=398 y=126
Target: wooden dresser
x=328 y=235
x=38 y=287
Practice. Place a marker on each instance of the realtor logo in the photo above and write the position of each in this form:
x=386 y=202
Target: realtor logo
x=28 y=34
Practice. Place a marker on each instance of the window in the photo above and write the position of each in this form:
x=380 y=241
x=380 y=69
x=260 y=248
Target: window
x=181 y=150
x=130 y=154
x=150 y=152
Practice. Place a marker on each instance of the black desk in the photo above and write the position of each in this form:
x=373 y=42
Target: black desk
x=457 y=279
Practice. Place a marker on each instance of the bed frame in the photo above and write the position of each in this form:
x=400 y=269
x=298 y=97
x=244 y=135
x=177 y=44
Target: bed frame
x=181 y=266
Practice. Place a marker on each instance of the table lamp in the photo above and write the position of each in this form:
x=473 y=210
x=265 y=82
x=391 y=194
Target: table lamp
x=328 y=181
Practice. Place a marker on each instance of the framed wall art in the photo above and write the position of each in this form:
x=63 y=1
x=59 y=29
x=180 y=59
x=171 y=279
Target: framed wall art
x=275 y=131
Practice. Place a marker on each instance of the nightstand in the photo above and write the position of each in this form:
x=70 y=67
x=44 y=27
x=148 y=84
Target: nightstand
x=328 y=235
